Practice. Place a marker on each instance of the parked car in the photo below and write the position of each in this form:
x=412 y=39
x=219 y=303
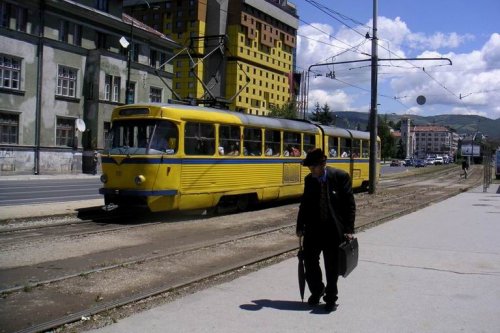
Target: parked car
x=408 y=162
x=438 y=160
x=419 y=163
x=430 y=161
x=395 y=163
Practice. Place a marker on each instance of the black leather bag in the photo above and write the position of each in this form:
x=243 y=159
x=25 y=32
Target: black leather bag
x=348 y=256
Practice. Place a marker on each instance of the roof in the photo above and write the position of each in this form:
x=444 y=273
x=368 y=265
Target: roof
x=396 y=134
x=138 y=24
x=429 y=128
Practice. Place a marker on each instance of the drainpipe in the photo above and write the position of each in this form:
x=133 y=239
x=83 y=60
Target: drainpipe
x=39 y=77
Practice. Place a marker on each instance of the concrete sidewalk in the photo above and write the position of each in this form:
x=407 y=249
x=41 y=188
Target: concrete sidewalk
x=435 y=270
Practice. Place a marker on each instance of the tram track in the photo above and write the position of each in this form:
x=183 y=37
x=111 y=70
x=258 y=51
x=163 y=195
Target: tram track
x=234 y=246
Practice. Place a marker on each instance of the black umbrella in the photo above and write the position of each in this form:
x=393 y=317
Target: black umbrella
x=302 y=271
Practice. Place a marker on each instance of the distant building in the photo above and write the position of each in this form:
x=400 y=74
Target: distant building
x=62 y=71
x=241 y=52
x=435 y=140
x=421 y=141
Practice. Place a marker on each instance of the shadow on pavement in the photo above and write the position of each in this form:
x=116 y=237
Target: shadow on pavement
x=276 y=304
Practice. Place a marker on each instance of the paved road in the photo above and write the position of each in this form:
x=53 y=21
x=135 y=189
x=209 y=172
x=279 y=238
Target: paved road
x=31 y=191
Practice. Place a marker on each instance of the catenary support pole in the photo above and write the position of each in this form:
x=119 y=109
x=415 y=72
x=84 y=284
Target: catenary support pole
x=373 y=108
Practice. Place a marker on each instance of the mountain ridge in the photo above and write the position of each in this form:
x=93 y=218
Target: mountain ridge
x=462 y=124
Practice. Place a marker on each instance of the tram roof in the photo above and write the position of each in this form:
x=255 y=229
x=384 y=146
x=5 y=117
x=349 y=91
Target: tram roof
x=236 y=117
x=342 y=132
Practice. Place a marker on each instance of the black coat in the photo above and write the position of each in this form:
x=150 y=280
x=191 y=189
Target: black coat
x=341 y=198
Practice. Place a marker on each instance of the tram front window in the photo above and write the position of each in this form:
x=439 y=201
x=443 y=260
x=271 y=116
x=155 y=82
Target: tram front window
x=139 y=137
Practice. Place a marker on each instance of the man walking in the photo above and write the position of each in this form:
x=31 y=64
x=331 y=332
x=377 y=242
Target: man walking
x=465 y=167
x=327 y=199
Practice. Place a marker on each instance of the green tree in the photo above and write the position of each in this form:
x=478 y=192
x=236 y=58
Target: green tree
x=288 y=111
x=400 y=152
x=322 y=114
x=315 y=115
x=388 y=148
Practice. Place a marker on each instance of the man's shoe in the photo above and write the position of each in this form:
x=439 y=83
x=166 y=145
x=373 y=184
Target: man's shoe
x=330 y=307
x=314 y=298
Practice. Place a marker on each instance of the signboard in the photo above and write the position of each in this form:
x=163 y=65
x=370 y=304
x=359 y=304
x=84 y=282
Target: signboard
x=471 y=150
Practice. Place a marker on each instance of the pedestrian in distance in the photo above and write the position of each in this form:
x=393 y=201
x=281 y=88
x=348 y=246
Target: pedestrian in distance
x=327 y=198
x=465 y=168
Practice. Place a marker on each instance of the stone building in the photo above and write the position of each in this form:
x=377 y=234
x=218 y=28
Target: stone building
x=63 y=70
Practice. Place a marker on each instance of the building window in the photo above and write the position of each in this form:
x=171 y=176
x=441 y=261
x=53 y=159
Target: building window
x=155 y=95
x=10 y=13
x=107 y=87
x=65 y=132
x=131 y=96
x=63 y=31
x=102 y=5
x=116 y=88
x=10 y=72
x=163 y=60
x=77 y=34
x=9 y=128
x=135 y=54
x=66 y=81
x=153 y=57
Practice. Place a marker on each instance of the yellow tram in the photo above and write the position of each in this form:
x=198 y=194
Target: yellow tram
x=176 y=157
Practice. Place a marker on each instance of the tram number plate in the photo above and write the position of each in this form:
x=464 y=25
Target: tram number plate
x=291 y=173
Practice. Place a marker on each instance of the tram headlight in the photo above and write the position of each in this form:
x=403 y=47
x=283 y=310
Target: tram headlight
x=139 y=179
x=104 y=178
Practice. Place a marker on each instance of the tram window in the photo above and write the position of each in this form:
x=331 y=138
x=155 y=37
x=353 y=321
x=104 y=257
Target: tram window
x=199 y=139
x=309 y=142
x=229 y=143
x=365 y=149
x=291 y=144
x=131 y=136
x=273 y=143
x=252 y=142
x=165 y=137
x=345 y=147
x=356 y=146
x=333 y=146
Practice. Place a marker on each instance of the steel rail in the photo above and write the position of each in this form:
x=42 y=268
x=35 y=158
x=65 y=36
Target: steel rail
x=164 y=289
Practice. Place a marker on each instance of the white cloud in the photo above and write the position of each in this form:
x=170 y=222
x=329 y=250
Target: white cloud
x=437 y=41
x=467 y=111
x=474 y=76
x=491 y=51
x=336 y=100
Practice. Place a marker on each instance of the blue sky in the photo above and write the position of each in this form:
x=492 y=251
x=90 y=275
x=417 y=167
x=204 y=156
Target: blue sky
x=467 y=32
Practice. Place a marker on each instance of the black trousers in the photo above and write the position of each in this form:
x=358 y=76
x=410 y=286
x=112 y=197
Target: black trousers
x=325 y=242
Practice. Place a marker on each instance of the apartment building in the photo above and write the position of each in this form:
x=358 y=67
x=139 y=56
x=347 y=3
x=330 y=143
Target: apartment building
x=427 y=140
x=62 y=71
x=240 y=53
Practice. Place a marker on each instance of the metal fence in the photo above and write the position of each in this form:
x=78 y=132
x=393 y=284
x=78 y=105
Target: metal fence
x=487 y=166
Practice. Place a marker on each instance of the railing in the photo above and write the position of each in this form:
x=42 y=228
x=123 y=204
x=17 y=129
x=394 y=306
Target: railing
x=487 y=166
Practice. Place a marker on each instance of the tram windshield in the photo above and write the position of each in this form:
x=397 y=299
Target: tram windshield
x=144 y=136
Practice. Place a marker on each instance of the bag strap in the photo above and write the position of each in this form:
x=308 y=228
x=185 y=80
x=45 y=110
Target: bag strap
x=332 y=211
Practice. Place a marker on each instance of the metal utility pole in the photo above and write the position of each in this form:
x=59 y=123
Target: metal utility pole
x=372 y=182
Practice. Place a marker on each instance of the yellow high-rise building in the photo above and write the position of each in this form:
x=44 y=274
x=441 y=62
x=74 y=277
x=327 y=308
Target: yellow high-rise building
x=242 y=51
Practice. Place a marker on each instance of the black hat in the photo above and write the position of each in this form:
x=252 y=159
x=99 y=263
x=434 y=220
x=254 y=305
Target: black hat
x=314 y=157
